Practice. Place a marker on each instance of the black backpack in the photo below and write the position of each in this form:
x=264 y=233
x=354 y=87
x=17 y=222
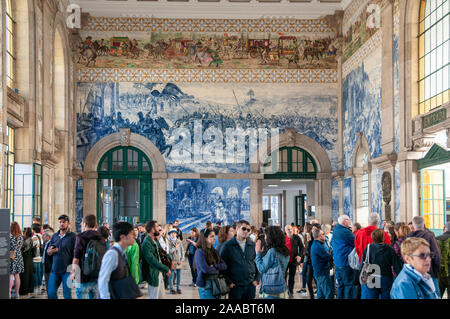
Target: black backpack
x=95 y=250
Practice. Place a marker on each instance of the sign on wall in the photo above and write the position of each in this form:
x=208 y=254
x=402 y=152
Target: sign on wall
x=4 y=253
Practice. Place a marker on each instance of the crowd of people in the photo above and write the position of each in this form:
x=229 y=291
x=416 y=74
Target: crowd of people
x=239 y=261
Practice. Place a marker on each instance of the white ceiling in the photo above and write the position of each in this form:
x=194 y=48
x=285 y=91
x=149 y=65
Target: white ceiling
x=212 y=9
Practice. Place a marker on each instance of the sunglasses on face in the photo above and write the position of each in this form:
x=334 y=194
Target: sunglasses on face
x=424 y=256
x=245 y=229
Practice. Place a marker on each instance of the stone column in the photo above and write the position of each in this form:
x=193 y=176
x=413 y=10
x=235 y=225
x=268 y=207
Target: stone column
x=387 y=86
x=159 y=197
x=256 y=193
x=323 y=199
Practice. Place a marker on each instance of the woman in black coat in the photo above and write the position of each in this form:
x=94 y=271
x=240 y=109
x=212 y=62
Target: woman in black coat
x=26 y=278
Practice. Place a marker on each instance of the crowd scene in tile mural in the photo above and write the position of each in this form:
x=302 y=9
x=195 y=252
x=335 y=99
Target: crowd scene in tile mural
x=209 y=51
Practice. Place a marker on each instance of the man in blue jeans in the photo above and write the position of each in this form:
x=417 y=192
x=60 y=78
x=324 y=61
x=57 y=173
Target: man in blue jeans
x=321 y=259
x=61 y=248
x=343 y=242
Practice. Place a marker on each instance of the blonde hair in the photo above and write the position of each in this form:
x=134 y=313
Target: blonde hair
x=403 y=231
x=410 y=245
x=166 y=230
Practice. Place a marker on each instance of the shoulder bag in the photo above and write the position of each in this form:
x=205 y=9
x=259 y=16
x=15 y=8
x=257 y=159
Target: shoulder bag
x=365 y=269
x=125 y=288
x=218 y=285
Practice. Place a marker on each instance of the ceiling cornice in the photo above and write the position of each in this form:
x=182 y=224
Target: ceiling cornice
x=223 y=9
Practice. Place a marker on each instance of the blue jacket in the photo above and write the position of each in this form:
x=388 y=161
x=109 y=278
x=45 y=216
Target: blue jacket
x=264 y=264
x=320 y=259
x=241 y=267
x=203 y=269
x=343 y=242
x=64 y=256
x=409 y=285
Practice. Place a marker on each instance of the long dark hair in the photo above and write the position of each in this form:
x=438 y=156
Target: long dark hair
x=27 y=233
x=212 y=256
x=275 y=239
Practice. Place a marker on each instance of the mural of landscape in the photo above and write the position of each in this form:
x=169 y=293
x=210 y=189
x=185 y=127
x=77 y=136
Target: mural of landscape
x=157 y=110
x=192 y=50
x=362 y=107
x=362 y=28
x=348 y=197
x=194 y=201
x=335 y=200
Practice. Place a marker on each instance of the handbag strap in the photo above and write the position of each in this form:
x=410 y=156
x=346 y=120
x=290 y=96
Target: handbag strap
x=367 y=254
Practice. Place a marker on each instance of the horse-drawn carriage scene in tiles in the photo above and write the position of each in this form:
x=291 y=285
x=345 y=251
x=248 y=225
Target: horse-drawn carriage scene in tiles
x=224 y=51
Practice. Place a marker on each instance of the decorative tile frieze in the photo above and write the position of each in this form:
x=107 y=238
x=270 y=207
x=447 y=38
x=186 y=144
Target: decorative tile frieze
x=373 y=43
x=129 y=24
x=207 y=75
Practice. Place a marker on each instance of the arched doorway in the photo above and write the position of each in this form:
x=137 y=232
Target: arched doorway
x=124 y=186
x=98 y=165
x=316 y=175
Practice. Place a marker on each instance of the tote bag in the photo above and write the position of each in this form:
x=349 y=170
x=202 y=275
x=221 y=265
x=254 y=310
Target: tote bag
x=365 y=269
x=125 y=288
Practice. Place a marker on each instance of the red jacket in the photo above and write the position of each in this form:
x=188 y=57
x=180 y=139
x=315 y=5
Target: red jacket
x=363 y=238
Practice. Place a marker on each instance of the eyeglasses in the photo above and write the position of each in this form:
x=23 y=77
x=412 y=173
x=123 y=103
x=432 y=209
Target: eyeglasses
x=424 y=256
x=245 y=229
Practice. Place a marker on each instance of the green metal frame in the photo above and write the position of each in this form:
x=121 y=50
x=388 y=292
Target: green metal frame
x=39 y=202
x=144 y=177
x=290 y=174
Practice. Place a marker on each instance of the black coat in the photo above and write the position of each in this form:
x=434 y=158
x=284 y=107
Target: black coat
x=385 y=257
x=241 y=266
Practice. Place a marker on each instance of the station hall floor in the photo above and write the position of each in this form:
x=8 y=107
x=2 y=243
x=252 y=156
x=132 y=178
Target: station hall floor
x=188 y=292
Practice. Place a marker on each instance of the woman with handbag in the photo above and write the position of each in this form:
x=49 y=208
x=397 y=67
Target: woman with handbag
x=16 y=266
x=274 y=264
x=386 y=260
x=208 y=265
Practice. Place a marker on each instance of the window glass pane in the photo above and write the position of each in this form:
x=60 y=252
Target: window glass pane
x=145 y=166
x=426 y=192
x=18 y=205
x=18 y=183
x=310 y=166
x=27 y=205
x=104 y=167
x=18 y=219
x=24 y=169
x=27 y=221
x=27 y=184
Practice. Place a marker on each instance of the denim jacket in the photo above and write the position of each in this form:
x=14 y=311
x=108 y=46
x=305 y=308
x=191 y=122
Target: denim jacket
x=410 y=285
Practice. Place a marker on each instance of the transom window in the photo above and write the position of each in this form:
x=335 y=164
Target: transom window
x=292 y=162
x=10 y=38
x=125 y=160
x=434 y=49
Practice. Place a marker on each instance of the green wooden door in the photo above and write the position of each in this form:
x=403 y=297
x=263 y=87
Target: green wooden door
x=128 y=163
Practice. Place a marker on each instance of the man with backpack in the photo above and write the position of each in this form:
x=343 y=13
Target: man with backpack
x=444 y=274
x=87 y=257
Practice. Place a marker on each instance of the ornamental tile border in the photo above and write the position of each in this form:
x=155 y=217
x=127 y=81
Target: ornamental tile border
x=129 y=24
x=373 y=43
x=207 y=76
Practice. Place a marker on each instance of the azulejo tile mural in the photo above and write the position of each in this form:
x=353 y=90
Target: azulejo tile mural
x=194 y=201
x=160 y=111
x=377 y=192
x=361 y=98
x=335 y=200
x=192 y=50
x=348 y=197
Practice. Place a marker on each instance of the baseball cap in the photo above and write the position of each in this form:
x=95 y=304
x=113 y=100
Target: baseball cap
x=65 y=217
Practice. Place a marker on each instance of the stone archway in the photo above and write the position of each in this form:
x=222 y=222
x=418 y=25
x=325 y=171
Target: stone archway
x=125 y=138
x=291 y=138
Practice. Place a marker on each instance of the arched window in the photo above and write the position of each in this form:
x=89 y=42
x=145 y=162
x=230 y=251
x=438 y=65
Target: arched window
x=290 y=162
x=434 y=54
x=10 y=39
x=362 y=180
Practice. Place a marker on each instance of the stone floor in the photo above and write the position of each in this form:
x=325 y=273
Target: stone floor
x=188 y=292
